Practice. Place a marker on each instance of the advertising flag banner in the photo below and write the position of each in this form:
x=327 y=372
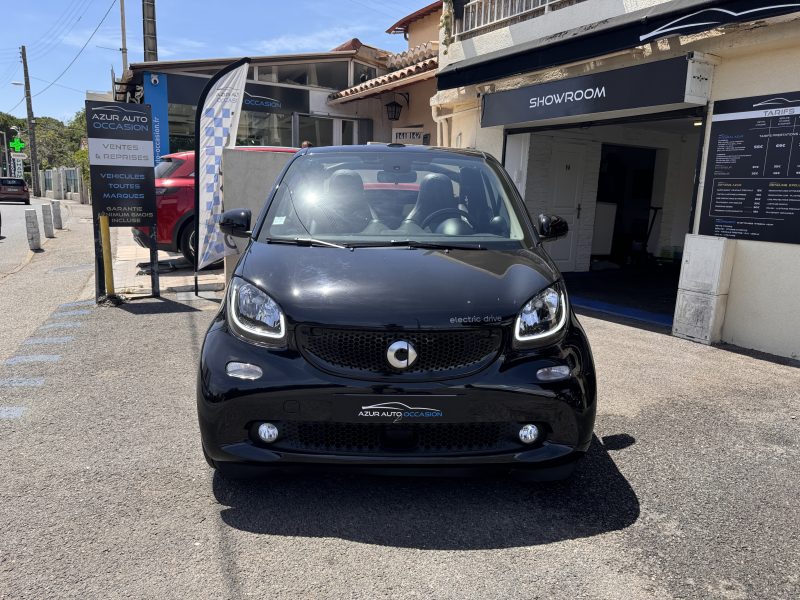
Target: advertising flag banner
x=218 y=114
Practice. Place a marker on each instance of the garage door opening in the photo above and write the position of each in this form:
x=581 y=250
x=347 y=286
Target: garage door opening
x=626 y=190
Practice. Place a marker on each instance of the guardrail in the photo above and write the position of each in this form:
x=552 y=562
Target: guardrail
x=485 y=14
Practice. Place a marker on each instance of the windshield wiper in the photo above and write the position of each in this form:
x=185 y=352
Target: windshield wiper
x=304 y=242
x=417 y=244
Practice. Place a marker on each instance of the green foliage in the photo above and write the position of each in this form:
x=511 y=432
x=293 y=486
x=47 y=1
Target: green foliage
x=56 y=142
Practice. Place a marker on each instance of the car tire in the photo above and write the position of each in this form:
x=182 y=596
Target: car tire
x=27 y=202
x=186 y=241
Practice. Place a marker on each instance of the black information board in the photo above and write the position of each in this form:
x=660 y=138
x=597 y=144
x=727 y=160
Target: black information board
x=121 y=162
x=752 y=185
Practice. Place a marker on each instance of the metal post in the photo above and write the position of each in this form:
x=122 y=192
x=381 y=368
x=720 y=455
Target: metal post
x=124 y=48
x=155 y=285
x=7 y=172
x=149 y=30
x=99 y=270
x=31 y=125
x=105 y=236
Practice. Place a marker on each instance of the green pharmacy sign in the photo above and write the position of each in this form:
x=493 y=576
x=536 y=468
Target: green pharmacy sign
x=16 y=144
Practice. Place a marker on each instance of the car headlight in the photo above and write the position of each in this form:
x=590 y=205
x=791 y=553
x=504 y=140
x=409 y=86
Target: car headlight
x=543 y=316
x=253 y=314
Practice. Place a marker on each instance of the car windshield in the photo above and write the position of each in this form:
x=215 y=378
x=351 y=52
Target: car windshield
x=167 y=167
x=16 y=182
x=391 y=196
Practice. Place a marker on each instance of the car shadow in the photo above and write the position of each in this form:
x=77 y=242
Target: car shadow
x=155 y=306
x=441 y=514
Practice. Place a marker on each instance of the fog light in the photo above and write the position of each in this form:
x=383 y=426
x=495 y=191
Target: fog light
x=529 y=434
x=553 y=373
x=242 y=370
x=268 y=432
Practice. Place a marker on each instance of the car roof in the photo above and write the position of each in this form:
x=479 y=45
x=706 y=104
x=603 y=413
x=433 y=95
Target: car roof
x=387 y=148
x=188 y=154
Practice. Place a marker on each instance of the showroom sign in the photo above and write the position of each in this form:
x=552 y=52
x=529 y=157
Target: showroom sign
x=653 y=84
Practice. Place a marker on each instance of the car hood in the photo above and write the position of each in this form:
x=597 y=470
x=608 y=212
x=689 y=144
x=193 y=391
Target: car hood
x=396 y=287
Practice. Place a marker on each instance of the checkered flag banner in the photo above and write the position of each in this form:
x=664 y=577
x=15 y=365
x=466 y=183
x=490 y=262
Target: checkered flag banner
x=217 y=122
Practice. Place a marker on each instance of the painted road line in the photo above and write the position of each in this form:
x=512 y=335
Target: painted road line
x=48 y=340
x=70 y=313
x=75 y=304
x=11 y=412
x=33 y=358
x=61 y=325
x=15 y=382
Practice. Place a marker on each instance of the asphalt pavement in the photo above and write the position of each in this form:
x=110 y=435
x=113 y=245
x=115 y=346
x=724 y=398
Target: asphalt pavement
x=690 y=489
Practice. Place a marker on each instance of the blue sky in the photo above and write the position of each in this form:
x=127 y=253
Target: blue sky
x=55 y=30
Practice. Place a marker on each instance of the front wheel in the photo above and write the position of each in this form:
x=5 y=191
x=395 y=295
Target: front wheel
x=187 y=242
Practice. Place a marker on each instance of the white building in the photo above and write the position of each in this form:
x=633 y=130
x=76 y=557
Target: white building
x=642 y=121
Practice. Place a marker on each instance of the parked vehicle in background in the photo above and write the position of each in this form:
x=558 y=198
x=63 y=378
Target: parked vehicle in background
x=13 y=189
x=175 y=181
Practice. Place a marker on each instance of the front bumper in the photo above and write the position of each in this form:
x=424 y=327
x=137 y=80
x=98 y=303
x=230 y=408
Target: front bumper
x=292 y=392
x=142 y=237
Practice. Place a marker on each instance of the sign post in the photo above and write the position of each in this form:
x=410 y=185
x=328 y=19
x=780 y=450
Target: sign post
x=122 y=175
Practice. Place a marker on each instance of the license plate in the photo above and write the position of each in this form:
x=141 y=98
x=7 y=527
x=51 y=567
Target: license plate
x=357 y=408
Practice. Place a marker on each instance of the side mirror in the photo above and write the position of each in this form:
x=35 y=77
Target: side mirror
x=552 y=227
x=236 y=222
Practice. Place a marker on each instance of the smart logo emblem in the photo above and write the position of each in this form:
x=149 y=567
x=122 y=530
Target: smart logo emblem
x=401 y=355
x=397 y=411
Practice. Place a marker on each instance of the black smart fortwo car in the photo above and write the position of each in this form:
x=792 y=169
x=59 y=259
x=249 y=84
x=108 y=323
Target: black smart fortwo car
x=395 y=308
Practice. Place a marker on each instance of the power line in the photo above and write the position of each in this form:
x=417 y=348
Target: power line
x=72 y=62
x=48 y=35
x=66 y=87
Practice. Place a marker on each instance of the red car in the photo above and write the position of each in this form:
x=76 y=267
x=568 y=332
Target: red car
x=175 y=229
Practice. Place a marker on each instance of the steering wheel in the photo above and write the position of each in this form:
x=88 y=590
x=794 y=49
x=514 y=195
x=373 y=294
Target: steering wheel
x=440 y=214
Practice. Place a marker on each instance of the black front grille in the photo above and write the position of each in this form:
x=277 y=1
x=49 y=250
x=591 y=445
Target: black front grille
x=440 y=354
x=411 y=438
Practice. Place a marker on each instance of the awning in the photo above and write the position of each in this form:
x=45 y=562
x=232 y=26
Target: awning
x=679 y=17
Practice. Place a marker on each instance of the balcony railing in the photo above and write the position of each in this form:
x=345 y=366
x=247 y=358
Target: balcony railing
x=484 y=15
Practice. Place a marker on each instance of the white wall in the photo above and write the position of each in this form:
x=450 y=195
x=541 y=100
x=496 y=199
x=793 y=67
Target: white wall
x=763 y=310
x=554 y=22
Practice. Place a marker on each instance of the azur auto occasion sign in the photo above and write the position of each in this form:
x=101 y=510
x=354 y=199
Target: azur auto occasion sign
x=121 y=162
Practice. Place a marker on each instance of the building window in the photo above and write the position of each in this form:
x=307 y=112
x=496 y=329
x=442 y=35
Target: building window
x=316 y=130
x=332 y=75
x=362 y=72
x=264 y=129
x=348 y=132
x=181 y=127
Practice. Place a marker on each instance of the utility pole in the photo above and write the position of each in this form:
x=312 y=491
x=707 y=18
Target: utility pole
x=149 y=30
x=7 y=163
x=124 y=48
x=31 y=125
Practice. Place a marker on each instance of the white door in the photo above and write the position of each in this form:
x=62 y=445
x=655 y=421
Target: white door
x=516 y=159
x=566 y=186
